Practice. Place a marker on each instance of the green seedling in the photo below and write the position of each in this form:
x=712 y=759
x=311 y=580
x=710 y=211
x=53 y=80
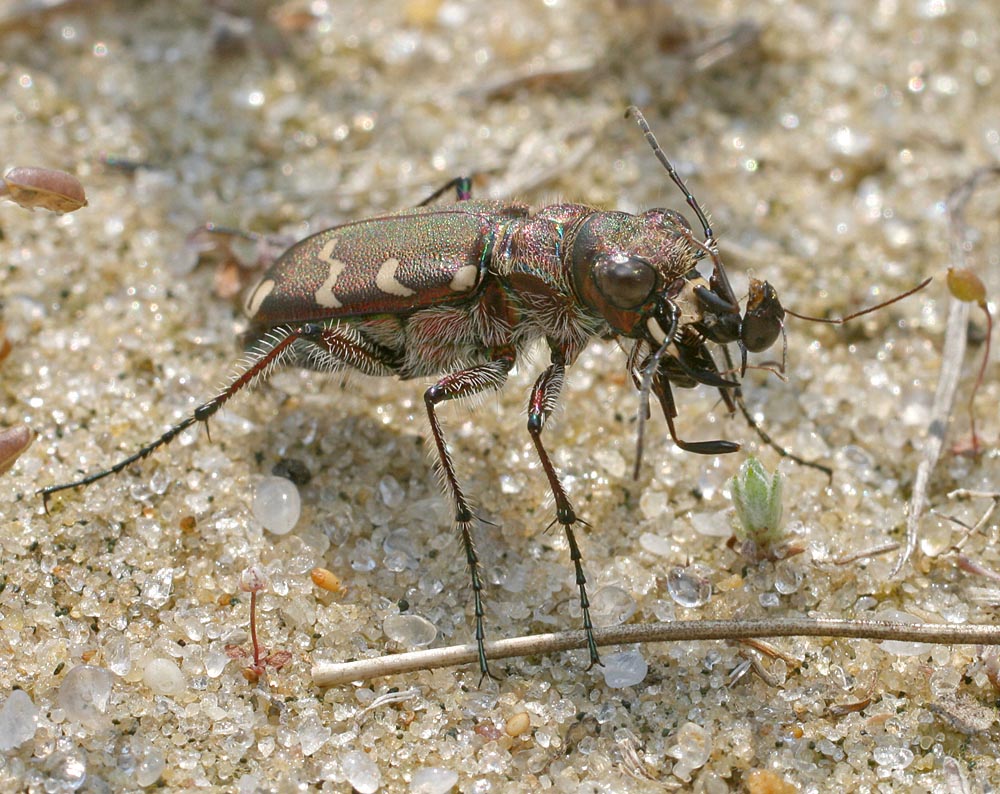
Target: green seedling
x=757 y=499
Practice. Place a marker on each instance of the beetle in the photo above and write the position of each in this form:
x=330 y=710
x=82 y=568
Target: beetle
x=464 y=289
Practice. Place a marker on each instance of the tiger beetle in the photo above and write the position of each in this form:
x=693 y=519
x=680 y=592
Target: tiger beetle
x=465 y=289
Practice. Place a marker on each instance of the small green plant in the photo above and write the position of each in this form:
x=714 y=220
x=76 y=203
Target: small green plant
x=757 y=498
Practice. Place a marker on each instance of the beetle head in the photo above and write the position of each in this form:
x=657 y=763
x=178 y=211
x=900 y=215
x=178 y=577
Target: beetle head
x=638 y=273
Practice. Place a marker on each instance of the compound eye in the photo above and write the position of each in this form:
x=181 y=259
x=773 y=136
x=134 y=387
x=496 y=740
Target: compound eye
x=626 y=283
x=764 y=317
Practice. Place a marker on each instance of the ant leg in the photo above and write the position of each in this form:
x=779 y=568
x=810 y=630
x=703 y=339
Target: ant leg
x=661 y=388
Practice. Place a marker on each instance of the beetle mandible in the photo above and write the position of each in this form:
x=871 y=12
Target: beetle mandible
x=465 y=289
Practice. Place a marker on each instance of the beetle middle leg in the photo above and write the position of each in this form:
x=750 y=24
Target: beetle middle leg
x=462 y=186
x=465 y=383
x=543 y=400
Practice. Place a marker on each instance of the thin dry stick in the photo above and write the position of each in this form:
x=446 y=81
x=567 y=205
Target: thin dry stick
x=951 y=364
x=332 y=674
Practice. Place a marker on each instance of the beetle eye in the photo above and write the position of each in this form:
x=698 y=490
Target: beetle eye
x=763 y=320
x=626 y=283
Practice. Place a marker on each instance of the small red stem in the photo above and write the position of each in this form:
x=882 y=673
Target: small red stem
x=253 y=629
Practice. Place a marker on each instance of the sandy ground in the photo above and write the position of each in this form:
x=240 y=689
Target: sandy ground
x=824 y=143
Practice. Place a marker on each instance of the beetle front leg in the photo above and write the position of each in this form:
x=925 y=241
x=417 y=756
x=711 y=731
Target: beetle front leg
x=543 y=400
x=465 y=383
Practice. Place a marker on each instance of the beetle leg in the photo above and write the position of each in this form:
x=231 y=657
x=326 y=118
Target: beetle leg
x=462 y=186
x=543 y=400
x=337 y=345
x=465 y=383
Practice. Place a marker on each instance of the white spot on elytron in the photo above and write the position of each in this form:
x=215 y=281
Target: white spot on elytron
x=385 y=280
x=654 y=329
x=464 y=279
x=260 y=292
x=324 y=295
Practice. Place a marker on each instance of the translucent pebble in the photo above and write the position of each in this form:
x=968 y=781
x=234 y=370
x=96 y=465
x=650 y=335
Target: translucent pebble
x=893 y=757
x=84 y=694
x=149 y=769
x=433 y=780
x=768 y=600
x=624 y=669
x=276 y=505
x=163 y=676
x=361 y=772
x=787 y=578
x=653 y=504
x=215 y=663
x=410 y=631
x=67 y=772
x=18 y=720
x=611 y=606
x=391 y=491
x=156 y=588
x=117 y=656
x=313 y=734
x=689 y=586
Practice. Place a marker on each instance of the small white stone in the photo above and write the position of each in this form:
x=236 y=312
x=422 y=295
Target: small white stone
x=624 y=669
x=84 y=694
x=18 y=720
x=433 y=780
x=163 y=676
x=410 y=631
x=692 y=751
x=276 y=505
x=361 y=772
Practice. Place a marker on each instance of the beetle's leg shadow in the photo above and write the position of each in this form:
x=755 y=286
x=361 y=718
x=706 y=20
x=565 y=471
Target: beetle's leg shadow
x=544 y=397
x=465 y=383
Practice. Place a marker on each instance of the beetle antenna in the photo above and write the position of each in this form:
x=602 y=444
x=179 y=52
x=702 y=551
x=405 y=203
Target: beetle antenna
x=710 y=245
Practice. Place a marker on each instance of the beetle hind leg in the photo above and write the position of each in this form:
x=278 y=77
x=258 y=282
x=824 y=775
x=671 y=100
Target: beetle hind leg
x=465 y=383
x=544 y=397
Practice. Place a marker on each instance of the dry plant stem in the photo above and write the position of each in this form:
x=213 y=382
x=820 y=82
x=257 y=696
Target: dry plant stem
x=883 y=548
x=952 y=356
x=332 y=674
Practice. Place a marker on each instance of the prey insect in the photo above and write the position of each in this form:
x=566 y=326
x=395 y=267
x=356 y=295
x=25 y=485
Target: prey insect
x=465 y=289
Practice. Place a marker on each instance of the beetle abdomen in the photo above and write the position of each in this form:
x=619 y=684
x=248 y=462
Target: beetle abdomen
x=392 y=264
